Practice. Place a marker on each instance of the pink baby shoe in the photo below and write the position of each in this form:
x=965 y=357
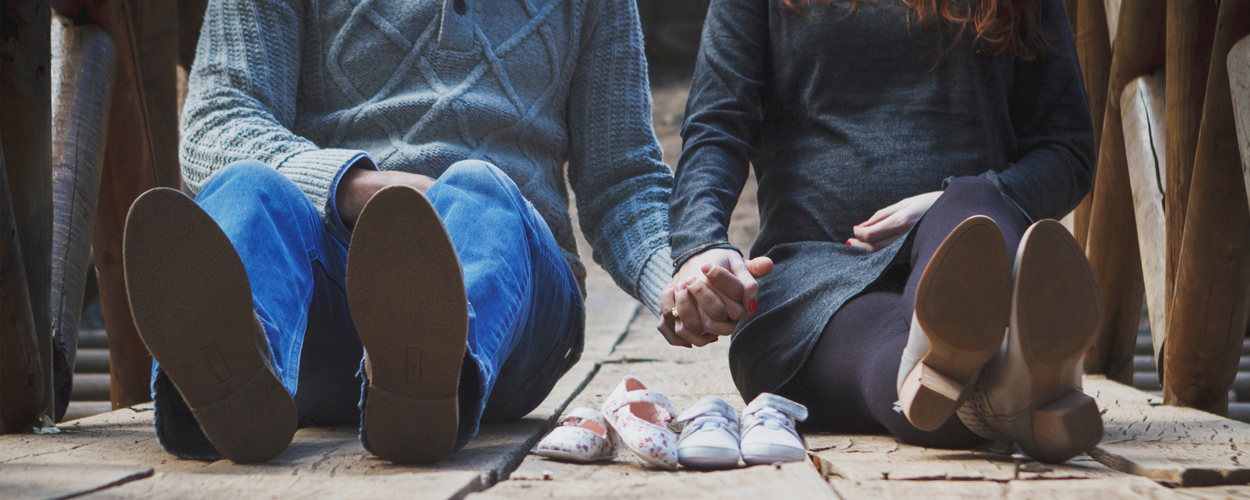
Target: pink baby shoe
x=583 y=436
x=641 y=417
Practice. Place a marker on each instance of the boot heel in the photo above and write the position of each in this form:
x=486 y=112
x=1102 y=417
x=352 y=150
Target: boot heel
x=254 y=424
x=929 y=398
x=409 y=430
x=1065 y=428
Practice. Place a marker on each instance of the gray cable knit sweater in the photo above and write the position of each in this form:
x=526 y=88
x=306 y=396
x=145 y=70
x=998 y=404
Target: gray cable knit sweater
x=312 y=87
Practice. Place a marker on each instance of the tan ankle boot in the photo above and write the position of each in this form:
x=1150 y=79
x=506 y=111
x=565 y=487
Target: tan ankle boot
x=962 y=304
x=1030 y=394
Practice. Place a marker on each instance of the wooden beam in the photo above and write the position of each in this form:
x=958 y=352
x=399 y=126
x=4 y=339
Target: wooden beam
x=1239 y=83
x=1093 y=48
x=1143 y=113
x=82 y=73
x=1112 y=246
x=1211 y=300
x=142 y=154
x=1190 y=32
x=25 y=90
x=21 y=375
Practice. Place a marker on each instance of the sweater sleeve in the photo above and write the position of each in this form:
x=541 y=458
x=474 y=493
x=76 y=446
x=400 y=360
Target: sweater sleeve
x=615 y=166
x=720 y=134
x=241 y=101
x=1054 y=130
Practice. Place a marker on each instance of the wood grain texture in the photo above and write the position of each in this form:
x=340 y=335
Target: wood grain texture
x=1112 y=244
x=1142 y=109
x=796 y=480
x=1239 y=86
x=82 y=74
x=1173 y=445
x=1190 y=32
x=37 y=482
x=1211 y=301
x=1093 y=48
x=142 y=154
x=21 y=378
x=1105 y=489
x=25 y=95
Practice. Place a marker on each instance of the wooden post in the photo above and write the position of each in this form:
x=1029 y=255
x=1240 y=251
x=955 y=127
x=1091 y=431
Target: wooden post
x=21 y=375
x=1112 y=245
x=26 y=128
x=1143 y=114
x=83 y=62
x=142 y=154
x=1093 y=48
x=1190 y=31
x=1211 y=301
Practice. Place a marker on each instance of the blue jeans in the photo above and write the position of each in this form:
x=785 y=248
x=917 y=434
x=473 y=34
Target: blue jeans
x=526 y=316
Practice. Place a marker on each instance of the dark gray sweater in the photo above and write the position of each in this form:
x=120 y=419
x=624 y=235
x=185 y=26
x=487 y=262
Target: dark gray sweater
x=843 y=115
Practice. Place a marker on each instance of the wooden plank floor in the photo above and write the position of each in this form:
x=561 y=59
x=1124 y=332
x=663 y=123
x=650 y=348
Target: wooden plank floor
x=115 y=455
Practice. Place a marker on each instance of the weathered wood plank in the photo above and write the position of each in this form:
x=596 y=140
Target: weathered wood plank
x=82 y=73
x=1211 y=299
x=868 y=458
x=798 y=480
x=447 y=484
x=1143 y=114
x=37 y=482
x=1112 y=244
x=25 y=91
x=1173 y=445
x=1106 y=489
x=1239 y=84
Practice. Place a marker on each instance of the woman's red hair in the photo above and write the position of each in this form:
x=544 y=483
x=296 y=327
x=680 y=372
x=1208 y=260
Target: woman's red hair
x=1001 y=26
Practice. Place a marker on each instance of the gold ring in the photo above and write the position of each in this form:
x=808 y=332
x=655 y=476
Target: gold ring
x=674 y=313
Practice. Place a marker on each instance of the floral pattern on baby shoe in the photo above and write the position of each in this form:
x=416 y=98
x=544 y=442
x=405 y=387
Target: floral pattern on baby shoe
x=583 y=436
x=641 y=417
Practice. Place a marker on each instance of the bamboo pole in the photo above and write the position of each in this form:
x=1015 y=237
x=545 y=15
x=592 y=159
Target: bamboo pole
x=25 y=90
x=141 y=154
x=1211 y=300
x=82 y=74
x=1112 y=244
x=1093 y=48
x=1190 y=32
x=21 y=375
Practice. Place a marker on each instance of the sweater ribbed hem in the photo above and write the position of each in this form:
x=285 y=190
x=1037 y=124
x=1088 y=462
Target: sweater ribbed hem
x=315 y=172
x=656 y=273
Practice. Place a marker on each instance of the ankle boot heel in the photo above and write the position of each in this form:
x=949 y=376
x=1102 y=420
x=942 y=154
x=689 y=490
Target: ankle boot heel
x=1065 y=428
x=929 y=398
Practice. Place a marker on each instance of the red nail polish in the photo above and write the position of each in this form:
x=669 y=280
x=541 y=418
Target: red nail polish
x=751 y=306
x=848 y=243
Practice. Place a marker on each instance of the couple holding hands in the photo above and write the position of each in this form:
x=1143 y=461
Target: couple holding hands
x=380 y=231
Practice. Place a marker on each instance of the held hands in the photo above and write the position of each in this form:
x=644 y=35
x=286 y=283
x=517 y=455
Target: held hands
x=892 y=222
x=711 y=293
x=358 y=185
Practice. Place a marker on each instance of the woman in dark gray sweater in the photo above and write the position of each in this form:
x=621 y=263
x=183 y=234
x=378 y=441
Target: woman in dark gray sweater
x=884 y=314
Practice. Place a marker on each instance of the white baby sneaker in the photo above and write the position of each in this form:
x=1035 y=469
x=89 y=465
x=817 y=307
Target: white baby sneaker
x=583 y=436
x=768 y=434
x=710 y=437
x=641 y=417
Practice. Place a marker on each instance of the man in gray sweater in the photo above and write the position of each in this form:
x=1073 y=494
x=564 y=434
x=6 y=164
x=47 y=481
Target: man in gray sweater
x=433 y=135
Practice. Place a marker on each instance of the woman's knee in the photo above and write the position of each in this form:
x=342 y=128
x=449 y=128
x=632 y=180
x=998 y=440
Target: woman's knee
x=976 y=190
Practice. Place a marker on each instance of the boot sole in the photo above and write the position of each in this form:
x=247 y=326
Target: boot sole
x=1055 y=317
x=192 y=306
x=407 y=298
x=963 y=303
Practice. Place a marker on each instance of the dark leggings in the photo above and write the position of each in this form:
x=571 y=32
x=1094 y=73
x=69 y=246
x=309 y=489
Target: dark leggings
x=848 y=383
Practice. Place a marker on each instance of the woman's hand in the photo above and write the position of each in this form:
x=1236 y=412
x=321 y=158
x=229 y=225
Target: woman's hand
x=358 y=185
x=892 y=222
x=711 y=292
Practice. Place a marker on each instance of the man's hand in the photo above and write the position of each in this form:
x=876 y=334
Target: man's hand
x=711 y=293
x=358 y=185
x=892 y=222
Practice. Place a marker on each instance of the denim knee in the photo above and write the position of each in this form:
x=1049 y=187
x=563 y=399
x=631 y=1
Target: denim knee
x=251 y=177
x=480 y=177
